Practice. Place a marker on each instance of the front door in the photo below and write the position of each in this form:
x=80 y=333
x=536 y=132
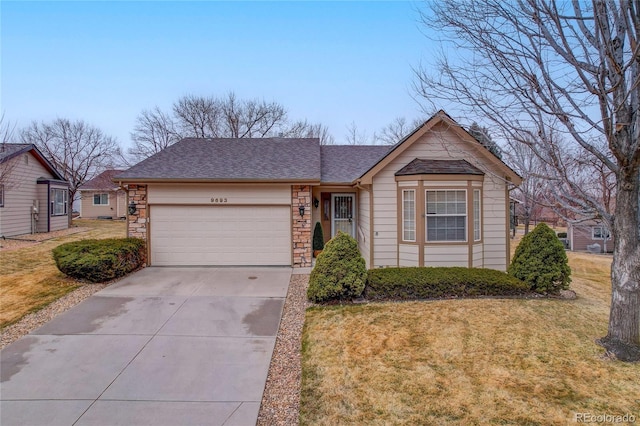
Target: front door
x=342 y=214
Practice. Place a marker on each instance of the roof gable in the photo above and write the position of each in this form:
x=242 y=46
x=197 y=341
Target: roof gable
x=103 y=182
x=12 y=150
x=223 y=159
x=440 y=118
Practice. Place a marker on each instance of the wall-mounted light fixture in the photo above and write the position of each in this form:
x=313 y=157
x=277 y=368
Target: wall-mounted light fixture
x=301 y=211
x=132 y=207
x=316 y=202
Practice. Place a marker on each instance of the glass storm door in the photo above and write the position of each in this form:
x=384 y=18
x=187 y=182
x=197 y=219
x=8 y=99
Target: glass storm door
x=342 y=217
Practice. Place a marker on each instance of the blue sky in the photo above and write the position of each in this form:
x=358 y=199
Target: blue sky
x=104 y=62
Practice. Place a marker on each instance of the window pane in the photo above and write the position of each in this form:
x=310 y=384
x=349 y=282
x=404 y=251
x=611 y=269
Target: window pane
x=409 y=215
x=446 y=220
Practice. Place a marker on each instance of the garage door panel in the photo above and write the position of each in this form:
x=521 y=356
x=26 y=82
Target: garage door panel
x=220 y=235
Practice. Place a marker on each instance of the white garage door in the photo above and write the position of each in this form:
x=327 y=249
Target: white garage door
x=220 y=235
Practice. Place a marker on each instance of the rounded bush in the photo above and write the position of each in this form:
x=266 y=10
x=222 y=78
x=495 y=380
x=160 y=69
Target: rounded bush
x=100 y=260
x=340 y=272
x=541 y=262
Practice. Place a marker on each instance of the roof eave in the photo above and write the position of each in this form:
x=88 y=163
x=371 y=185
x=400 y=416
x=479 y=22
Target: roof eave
x=141 y=180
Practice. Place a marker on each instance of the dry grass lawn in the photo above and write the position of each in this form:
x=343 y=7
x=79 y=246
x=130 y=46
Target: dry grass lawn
x=468 y=362
x=29 y=278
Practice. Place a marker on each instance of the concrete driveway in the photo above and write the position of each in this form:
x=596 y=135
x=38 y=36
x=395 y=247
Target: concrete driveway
x=164 y=346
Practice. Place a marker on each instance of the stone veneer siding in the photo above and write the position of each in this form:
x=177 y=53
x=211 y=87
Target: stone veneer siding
x=301 y=232
x=137 y=223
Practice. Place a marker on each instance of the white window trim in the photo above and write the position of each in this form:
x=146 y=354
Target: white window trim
x=427 y=216
x=405 y=191
x=477 y=217
x=101 y=194
x=65 y=205
x=602 y=229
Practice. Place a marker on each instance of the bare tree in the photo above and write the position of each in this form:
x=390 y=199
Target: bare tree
x=154 y=131
x=531 y=191
x=397 y=130
x=547 y=68
x=354 y=136
x=76 y=149
x=199 y=116
x=6 y=135
x=304 y=129
x=216 y=117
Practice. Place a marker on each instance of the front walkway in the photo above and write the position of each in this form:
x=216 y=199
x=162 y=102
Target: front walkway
x=165 y=346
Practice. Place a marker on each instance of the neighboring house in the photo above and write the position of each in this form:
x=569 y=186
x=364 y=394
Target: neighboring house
x=101 y=198
x=584 y=234
x=438 y=197
x=34 y=197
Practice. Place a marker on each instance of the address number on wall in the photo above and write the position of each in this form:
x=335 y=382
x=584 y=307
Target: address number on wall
x=216 y=200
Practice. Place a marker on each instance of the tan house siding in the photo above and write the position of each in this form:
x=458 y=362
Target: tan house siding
x=441 y=143
x=43 y=194
x=21 y=190
x=408 y=254
x=194 y=194
x=581 y=235
x=364 y=228
x=478 y=256
x=115 y=209
x=495 y=235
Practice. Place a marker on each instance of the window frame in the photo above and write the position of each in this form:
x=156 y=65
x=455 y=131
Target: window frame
x=602 y=229
x=477 y=215
x=411 y=219
x=55 y=203
x=457 y=202
x=1 y=194
x=100 y=194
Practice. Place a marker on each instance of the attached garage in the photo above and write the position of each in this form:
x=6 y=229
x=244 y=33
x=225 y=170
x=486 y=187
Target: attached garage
x=220 y=235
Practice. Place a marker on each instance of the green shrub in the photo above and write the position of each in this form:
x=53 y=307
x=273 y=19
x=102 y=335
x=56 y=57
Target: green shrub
x=562 y=235
x=340 y=272
x=427 y=283
x=100 y=260
x=541 y=262
x=318 y=237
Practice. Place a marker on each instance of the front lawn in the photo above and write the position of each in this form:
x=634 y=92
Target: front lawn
x=477 y=361
x=29 y=277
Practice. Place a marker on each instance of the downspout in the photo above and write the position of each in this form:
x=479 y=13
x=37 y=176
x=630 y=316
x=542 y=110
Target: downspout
x=370 y=191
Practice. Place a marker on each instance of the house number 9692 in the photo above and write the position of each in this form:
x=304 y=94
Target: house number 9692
x=218 y=200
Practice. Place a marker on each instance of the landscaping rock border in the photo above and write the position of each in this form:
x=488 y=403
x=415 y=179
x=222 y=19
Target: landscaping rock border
x=281 y=397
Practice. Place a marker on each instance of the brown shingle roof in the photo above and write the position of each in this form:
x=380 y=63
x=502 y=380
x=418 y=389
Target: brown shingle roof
x=440 y=167
x=346 y=163
x=269 y=159
x=102 y=182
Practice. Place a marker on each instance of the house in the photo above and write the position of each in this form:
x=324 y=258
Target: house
x=437 y=197
x=584 y=234
x=34 y=196
x=101 y=198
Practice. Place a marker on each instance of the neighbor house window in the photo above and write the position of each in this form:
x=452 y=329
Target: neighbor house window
x=476 y=215
x=1 y=195
x=446 y=215
x=408 y=215
x=59 y=202
x=100 y=199
x=600 y=233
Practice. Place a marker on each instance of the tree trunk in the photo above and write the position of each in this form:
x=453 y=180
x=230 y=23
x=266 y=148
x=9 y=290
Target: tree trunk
x=623 y=338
